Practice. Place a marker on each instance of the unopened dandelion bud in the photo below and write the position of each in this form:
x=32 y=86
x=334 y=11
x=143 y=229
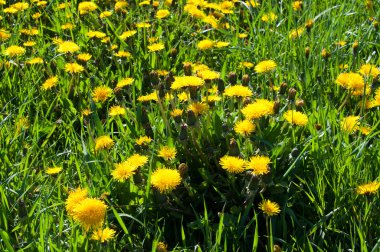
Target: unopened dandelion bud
x=307 y=52
x=183 y=168
x=376 y=24
x=245 y=80
x=355 y=46
x=283 y=88
x=191 y=118
x=276 y=107
x=183 y=133
x=173 y=52
x=187 y=68
x=299 y=103
x=154 y=79
x=317 y=126
x=309 y=24
x=178 y=118
x=232 y=78
x=295 y=152
x=292 y=94
x=277 y=248
x=221 y=86
x=233 y=148
x=169 y=79
x=325 y=54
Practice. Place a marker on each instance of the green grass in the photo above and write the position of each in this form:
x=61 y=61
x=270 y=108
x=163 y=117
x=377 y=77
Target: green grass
x=314 y=170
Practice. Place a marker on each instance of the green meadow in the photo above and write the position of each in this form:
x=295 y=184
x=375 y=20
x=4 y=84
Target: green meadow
x=189 y=125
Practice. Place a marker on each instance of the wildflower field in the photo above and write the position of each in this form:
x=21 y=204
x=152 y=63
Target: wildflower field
x=189 y=125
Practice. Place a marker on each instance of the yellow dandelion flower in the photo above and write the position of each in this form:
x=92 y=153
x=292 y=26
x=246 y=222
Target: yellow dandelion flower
x=103 y=142
x=265 y=66
x=53 y=170
x=123 y=171
x=22 y=123
x=183 y=96
x=156 y=47
x=244 y=127
x=143 y=3
x=246 y=64
x=165 y=179
x=37 y=60
x=208 y=74
x=269 y=208
x=205 y=44
x=125 y=82
x=29 y=43
x=143 y=140
x=149 y=97
x=103 y=235
x=74 y=199
x=176 y=113
x=84 y=57
x=50 y=83
x=350 y=80
x=20 y=6
x=211 y=20
x=127 y=34
x=86 y=7
x=4 y=35
x=73 y=68
x=297 y=5
x=68 y=47
x=162 y=14
x=143 y=25
x=90 y=213
x=369 y=188
x=365 y=130
x=105 y=14
x=296 y=33
x=199 y=67
x=252 y=3
x=30 y=32
x=121 y=6
x=257 y=109
x=186 y=81
x=296 y=117
x=162 y=247
x=86 y=112
x=198 y=108
x=259 y=165
x=167 y=152
x=101 y=93
x=369 y=70
x=232 y=164
x=36 y=15
x=350 y=124
x=95 y=34
x=123 y=54
x=211 y=98
x=117 y=110
x=269 y=17
x=243 y=35
x=13 y=51
x=237 y=91
x=67 y=26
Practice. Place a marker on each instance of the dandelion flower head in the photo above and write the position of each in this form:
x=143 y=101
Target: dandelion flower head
x=165 y=179
x=232 y=164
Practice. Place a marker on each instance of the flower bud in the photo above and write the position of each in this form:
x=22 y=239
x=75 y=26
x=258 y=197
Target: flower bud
x=233 y=148
x=276 y=106
x=187 y=68
x=283 y=88
x=221 y=85
x=245 y=80
x=191 y=118
x=232 y=78
x=183 y=133
x=183 y=168
x=292 y=94
x=307 y=52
